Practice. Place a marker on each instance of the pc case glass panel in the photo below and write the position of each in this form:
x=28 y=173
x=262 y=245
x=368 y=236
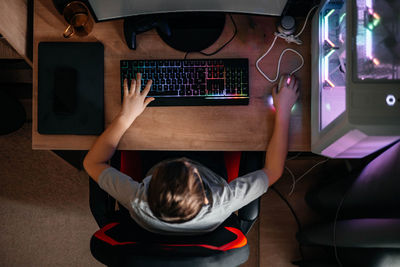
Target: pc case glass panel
x=378 y=40
x=332 y=61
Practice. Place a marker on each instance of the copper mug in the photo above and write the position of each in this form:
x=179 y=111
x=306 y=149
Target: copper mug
x=78 y=17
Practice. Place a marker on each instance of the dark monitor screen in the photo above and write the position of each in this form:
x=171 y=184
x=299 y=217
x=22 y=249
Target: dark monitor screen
x=113 y=9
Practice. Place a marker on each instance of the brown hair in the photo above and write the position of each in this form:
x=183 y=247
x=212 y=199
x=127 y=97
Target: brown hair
x=176 y=192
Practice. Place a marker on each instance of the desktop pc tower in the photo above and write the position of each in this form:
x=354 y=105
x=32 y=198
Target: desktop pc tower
x=355 y=95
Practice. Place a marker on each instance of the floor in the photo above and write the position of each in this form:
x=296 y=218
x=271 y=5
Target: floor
x=45 y=217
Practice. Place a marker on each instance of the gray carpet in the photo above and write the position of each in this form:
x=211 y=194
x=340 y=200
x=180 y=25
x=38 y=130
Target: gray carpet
x=44 y=213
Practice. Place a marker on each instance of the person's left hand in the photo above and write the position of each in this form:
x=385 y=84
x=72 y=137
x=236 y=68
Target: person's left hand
x=134 y=102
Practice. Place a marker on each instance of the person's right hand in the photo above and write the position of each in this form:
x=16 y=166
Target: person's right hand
x=287 y=94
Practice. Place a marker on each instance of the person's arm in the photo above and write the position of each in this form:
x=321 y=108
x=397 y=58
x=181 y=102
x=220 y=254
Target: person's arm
x=278 y=145
x=103 y=149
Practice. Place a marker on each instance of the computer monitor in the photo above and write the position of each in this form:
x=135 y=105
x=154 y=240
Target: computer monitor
x=107 y=9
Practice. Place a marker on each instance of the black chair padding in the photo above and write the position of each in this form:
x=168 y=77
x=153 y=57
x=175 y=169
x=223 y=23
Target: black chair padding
x=126 y=244
x=249 y=162
x=354 y=257
x=356 y=233
x=373 y=194
x=359 y=242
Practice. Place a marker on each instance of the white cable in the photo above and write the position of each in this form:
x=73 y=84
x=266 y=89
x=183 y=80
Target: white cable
x=288 y=39
x=279 y=61
x=298 y=154
x=293 y=180
x=291 y=173
x=304 y=174
x=334 y=229
x=305 y=22
x=258 y=60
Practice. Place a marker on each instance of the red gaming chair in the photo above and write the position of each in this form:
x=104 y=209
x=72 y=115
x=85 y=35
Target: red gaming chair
x=124 y=243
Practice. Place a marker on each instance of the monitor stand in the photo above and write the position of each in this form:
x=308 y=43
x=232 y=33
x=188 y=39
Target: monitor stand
x=192 y=32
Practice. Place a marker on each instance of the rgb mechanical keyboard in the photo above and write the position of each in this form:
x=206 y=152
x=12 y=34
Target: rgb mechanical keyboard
x=192 y=82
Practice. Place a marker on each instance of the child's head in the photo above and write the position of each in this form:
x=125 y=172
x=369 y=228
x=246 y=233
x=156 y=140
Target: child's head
x=176 y=192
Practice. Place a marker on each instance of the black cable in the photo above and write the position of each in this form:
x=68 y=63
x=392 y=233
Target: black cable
x=294 y=215
x=222 y=47
x=187 y=53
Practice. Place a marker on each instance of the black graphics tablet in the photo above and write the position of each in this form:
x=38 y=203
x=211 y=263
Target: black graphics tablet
x=70 y=88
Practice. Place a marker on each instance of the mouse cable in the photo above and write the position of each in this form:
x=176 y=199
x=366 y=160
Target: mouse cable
x=289 y=39
x=222 y=47
x=273 y=188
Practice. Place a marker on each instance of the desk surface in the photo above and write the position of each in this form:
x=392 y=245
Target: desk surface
x=219 y=128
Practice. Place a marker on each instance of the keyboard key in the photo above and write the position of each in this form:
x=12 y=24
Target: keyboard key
x=209 y=84
x=198 y=81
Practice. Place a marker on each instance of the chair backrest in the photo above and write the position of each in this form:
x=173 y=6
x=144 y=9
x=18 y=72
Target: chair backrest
x=131 y=164
x=124 y=243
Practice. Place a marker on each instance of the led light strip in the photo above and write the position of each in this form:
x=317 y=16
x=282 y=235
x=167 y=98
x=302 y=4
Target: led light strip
x=368 y=34
x=326 y=24
x=226 y=97
x=342 y=17
x=326 y=68
x=368 y=43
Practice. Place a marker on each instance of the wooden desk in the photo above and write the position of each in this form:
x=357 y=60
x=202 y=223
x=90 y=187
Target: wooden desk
x=185 y=128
